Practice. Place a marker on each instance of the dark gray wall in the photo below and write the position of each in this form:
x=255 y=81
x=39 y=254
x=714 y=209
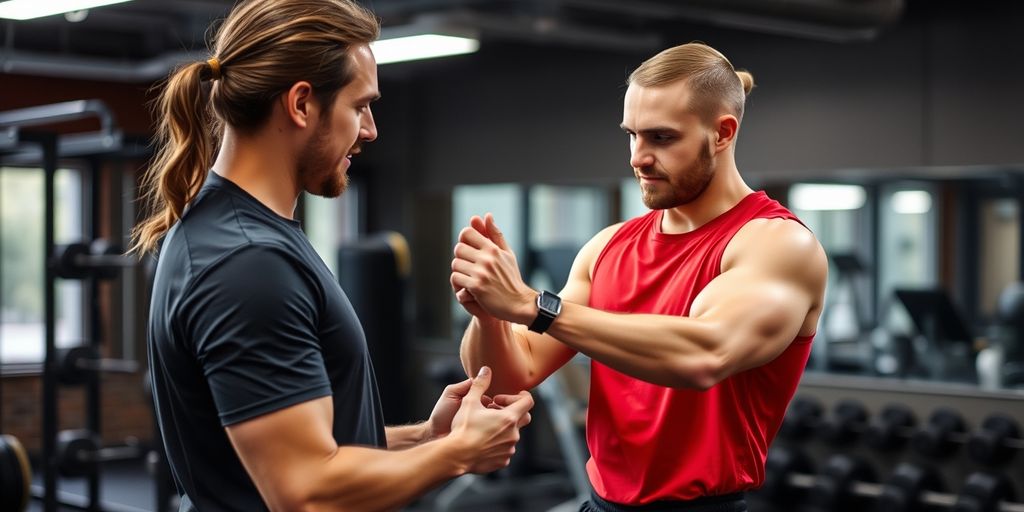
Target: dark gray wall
x=941 y=88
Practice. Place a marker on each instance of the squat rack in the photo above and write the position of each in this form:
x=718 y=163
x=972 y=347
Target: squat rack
x=19 y=146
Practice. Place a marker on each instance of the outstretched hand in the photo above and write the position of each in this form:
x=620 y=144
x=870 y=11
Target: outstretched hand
x=485 y=274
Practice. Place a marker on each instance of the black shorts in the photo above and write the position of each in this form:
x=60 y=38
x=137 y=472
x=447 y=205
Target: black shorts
x=735 y=502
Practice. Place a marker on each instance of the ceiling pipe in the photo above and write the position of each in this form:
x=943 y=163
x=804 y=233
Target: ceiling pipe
x=85 y=68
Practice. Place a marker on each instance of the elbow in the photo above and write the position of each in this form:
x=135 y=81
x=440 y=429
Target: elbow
x=701 y=374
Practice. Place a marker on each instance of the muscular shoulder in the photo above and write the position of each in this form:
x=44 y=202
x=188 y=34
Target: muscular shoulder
x=589 y=253
x=783 y=247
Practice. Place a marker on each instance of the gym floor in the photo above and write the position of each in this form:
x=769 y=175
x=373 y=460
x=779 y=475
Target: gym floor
x=128 y=487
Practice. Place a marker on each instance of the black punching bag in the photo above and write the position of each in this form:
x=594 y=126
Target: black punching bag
x=374 y=272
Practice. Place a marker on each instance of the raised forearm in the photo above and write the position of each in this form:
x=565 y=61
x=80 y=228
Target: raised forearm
x=492 y=343
x=665 y=350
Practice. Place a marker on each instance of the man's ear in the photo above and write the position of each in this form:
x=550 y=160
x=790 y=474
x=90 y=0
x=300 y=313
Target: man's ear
x=726 y=127
x=298 y=104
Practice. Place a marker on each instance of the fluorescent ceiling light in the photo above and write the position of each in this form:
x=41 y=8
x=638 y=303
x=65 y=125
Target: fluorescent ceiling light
x=28 y=9
x=805 y=196
x=424 y=46
x=911 y=202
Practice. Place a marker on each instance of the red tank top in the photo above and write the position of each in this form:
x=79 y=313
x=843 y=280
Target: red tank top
x=651 y=442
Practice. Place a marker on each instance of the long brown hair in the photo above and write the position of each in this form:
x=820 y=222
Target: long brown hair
x=713 y=81
x=259 y=52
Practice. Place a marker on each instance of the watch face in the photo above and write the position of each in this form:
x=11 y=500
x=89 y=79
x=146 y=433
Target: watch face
x=549 y=302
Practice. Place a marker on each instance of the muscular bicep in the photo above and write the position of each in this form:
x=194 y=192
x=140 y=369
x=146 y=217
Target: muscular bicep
x=770 y=293
x=284 y=451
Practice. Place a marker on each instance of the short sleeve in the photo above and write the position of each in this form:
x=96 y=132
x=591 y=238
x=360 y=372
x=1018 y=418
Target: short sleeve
x=251 y=320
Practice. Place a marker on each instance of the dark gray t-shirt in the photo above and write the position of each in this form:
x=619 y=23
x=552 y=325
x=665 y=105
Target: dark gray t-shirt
x=245 y=320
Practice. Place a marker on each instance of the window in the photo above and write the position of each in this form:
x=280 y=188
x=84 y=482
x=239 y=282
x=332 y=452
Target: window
x=22 y=276
x=330 y=222
x=631 y=202
x=839 y=216
x=505 y=202
x=562 y=219
x=907 y=244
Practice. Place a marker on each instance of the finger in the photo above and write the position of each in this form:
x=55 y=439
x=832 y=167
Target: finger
x=464 y=297
x=476 y=239
x=494 y=233
x=459 y=389
x=478 y=224
x=460 y=280
x=480 y=385
x=464 y=251
x=524 y=420
x=522 y=405
x=462 y=266
x=505 y=400
x=486 y=401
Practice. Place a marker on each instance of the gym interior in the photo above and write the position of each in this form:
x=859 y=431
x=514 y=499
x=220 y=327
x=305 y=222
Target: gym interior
x=888 y=126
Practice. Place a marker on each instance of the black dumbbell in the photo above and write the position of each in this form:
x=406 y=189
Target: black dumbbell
x=904 y=488
x=891 y=428
x=77 y=365
x=78 y=452
x=99 y=259
x=983 y=492
x=940 y=437
x=833 y=489
x=802 y=418
x=997 y=441
x=848 y=483
x=780 y=465
x=849 y=420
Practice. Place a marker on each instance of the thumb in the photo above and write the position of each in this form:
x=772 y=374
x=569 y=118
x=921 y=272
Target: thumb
x=494 y=233
x=458 y=390
x=480 y=385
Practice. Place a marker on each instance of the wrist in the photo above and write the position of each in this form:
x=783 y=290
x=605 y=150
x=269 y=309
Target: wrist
x=528 y=309
x=456 y=453
x=426 y=432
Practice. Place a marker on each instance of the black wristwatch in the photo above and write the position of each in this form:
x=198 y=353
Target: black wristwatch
x=549 y=306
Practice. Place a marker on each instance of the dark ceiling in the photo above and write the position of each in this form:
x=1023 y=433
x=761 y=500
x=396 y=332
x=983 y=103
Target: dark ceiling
x=141 y=39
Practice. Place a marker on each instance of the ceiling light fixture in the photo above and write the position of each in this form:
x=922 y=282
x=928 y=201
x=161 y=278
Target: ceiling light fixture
x=427 y=37
x=29 y=9
x=424 y=46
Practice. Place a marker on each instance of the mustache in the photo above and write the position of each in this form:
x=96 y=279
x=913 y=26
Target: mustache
x=649 y=173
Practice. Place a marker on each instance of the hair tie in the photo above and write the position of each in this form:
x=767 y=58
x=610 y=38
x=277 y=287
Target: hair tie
x=214 y=68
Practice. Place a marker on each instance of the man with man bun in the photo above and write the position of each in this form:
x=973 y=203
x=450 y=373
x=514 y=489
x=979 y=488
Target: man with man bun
x=698 y=316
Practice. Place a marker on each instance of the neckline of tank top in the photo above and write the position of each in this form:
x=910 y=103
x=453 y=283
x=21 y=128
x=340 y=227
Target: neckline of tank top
x=658 y=236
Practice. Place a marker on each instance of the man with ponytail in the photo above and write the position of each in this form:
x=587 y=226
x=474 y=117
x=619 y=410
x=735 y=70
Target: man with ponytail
x=697 y=317
x=262 y=382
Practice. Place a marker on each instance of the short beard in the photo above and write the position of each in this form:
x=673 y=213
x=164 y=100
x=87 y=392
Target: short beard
x=689 y=187
x=316 y=172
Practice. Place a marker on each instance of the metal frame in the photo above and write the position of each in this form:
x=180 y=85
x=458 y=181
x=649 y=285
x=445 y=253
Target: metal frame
x=19 y=146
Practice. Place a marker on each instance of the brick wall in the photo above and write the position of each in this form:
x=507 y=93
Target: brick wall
x=126 y=411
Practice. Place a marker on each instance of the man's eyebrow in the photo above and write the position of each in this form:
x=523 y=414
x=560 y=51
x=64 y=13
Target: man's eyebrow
x=652 y=129
x=369 y=98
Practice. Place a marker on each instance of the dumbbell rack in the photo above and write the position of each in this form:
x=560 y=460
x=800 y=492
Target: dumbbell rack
x=848 y=462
